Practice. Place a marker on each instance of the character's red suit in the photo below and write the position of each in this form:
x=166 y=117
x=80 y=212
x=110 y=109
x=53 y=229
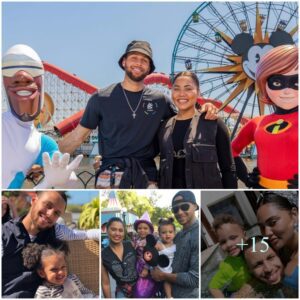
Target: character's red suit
x=276 y=139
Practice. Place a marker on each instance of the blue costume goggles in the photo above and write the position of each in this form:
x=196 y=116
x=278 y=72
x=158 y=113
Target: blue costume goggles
x=34 y=71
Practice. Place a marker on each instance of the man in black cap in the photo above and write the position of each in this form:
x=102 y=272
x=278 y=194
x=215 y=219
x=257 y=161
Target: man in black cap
x=184 y=278
x=128 y=116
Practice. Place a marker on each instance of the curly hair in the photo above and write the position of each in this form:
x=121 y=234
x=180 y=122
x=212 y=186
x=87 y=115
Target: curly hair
x=33 y=253
x=225 y=219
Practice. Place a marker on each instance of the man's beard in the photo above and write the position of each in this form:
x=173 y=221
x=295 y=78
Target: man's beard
x=37 y=226
x=135 y=78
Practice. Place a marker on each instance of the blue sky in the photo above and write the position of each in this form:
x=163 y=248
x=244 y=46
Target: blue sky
x=87 y=39
x=82 y=197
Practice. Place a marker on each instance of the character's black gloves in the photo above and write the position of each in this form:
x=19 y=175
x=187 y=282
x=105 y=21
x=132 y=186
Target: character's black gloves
x=253 y=178
x=293 y=182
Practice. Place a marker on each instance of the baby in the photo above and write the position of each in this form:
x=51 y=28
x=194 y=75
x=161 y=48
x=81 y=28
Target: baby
x=233 y=272
x=50 y=264
x=167 y=231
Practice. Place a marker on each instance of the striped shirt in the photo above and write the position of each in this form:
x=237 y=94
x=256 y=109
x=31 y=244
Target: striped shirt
x=72 y=288
x=62 y=232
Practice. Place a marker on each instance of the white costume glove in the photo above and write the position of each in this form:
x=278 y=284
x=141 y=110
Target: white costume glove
x=93 y=234
x=58 y=172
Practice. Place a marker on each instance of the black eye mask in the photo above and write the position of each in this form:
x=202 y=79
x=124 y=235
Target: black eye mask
x=280 y=82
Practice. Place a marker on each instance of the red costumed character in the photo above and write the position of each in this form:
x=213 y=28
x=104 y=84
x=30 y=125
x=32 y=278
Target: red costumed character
x=275 y=135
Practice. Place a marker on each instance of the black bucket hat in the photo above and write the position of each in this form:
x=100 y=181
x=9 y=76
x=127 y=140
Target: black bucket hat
x=141 y=47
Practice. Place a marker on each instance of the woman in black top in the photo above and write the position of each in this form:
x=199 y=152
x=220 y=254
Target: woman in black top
x=118 y=260
x=194 y=152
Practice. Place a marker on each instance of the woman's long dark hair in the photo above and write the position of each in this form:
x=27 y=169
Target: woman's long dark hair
x=282 y=203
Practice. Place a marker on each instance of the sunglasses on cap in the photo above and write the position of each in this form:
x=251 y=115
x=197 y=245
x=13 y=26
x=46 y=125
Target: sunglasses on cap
x=280 y=82
x=183 y=207
x=267 y=194
x=35 y=70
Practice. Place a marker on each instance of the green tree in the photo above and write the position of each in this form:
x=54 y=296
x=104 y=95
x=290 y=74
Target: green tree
x=135 y=203
x=139 y=204
x=104 y=203
x=160 y=212
x=89 y=218
x=154 y=197
x=163 y=212
x=104 y=198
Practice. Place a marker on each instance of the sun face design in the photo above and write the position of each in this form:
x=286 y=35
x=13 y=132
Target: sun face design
x=248 y=51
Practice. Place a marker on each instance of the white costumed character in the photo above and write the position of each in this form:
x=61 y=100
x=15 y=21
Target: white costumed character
x=22 y=144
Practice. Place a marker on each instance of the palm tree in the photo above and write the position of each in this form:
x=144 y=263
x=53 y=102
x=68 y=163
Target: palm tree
x=89 y=217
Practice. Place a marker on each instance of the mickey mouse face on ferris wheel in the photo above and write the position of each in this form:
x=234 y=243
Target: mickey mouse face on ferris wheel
x=243 y=44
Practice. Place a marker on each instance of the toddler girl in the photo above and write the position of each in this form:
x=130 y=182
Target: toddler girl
x=167 y=231
x=145 y=287
x=50 y=264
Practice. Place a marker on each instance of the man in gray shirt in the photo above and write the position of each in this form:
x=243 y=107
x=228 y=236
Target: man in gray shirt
x=185 y=274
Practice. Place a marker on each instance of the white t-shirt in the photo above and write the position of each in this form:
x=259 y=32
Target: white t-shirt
x=170 y=253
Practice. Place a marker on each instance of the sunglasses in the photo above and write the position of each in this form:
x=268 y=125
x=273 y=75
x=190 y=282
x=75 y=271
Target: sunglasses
x=280 y=82
x=263 y=195
x=259 y=199
x=183 y=207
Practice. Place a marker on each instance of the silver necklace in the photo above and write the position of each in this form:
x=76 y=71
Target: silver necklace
x=137 y=107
